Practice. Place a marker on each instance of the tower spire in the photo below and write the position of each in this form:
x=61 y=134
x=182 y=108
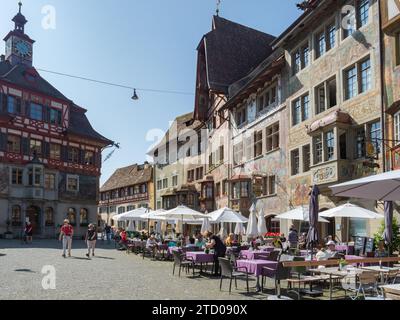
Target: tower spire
x=218 y=6
x=20 y=6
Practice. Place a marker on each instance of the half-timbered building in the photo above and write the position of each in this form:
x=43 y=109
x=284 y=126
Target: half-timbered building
x=50 y=156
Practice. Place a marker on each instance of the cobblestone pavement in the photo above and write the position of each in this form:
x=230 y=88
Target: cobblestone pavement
x=111 y=275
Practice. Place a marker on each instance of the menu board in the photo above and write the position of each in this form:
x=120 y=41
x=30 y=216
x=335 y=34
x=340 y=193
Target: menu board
x=369 y=245
x=359 y=245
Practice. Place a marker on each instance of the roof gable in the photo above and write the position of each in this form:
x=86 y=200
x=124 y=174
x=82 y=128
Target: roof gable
x=128 y=176
x=232 y=51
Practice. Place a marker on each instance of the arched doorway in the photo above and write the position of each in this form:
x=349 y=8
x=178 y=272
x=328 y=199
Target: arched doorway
x=33 y=213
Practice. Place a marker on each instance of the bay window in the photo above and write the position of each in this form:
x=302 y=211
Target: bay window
x=330 y=145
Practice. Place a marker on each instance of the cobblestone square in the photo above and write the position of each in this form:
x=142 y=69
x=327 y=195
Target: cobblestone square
x=110 y=275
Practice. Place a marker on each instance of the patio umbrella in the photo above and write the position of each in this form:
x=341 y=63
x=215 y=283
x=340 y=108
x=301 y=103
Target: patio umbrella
x=131 y=226
x=239 y=229
x=312 y=236
x=135 y=215
x=261 y=226
x=299 y=214
x=380 y=187
x=222 y=232
x=206 y=225
x=226 y=215
x=158 y=227
x=349 y=210
x=388 y=233
x=183 y=214
x=252 y=225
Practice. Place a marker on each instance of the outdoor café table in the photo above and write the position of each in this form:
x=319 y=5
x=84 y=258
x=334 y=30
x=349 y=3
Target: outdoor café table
x=392 y=291
x=256 y=267
x=199 y=258
x=381 y=270
x=163 y=248
x=253 y=255
x=266 y=248
x=334 y=272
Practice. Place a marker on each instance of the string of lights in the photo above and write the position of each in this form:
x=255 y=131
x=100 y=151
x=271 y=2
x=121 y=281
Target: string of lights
x=134 y=97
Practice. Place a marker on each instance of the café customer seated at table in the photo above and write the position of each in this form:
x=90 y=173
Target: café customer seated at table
x=151 y=244
x=200 y=242
x=381 y=251
x=329 y=253
x=231 y=241
x=191 y=243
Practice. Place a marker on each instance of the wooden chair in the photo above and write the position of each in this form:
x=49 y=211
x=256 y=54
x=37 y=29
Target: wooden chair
x=391 y=276
x=181 y=261
x=232 y=273
x=367 y=281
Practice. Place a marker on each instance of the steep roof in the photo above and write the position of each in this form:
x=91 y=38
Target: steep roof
x=80 y=125
x=128 y=176
x=232 y=51
x=18 y=75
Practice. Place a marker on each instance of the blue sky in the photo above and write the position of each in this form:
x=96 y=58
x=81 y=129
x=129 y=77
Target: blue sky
x=140 y=43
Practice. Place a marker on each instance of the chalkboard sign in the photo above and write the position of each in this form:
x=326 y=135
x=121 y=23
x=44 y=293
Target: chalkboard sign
x=369 y=245
x=359 y=245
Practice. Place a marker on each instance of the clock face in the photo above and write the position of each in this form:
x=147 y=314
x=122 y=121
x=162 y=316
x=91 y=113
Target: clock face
x=23 y=49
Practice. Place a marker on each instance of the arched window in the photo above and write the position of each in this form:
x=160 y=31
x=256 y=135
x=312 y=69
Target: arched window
x=49 y=216
x=84 y=217
x=16 y=216
x=72 y=216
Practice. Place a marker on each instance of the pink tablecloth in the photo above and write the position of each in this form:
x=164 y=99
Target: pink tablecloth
x=253 y=255
x=255 y=266
x=200 y=257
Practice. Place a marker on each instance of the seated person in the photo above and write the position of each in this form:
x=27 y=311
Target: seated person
x=191 y=243
x=151 y=244
x=200 y=242
x=331 y=251
x=231 y=241
x=277 y=243
x=381 y=251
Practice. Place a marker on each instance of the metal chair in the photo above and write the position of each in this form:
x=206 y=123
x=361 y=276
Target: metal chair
x=391 y=277
x=231 y=272
x=279 y=274
x=367 y=281
x=181 y=261
x=274 y=255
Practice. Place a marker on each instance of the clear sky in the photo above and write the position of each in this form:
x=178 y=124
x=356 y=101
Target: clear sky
x=140 y=43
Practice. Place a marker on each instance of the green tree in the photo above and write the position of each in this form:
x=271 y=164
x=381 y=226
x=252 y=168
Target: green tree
x=395 y=246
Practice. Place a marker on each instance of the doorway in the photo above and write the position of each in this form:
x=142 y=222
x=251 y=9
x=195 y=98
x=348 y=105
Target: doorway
x=33 y=213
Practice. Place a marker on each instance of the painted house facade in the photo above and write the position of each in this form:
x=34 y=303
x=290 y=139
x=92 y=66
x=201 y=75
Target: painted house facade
x=50 y=156
x=334 y=104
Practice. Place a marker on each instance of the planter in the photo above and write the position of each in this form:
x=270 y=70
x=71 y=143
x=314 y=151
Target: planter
x=8 y=236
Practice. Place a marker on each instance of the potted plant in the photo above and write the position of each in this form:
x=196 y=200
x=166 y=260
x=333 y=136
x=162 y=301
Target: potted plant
x=8 y=234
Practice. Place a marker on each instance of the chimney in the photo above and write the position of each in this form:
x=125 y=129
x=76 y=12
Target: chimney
x=2 y=58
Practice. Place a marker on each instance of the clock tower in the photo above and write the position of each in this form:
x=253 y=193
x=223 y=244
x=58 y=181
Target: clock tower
x=19 y=47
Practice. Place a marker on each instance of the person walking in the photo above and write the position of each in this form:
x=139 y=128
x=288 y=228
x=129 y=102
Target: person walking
x=107 y=230
x=90 y=238
x=28 y=232
x=67 y=232
x=293 y=238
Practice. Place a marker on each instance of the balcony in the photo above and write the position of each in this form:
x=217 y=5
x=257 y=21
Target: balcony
x=338 y=171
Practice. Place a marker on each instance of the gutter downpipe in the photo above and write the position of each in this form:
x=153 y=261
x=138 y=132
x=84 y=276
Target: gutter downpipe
x=383 y=88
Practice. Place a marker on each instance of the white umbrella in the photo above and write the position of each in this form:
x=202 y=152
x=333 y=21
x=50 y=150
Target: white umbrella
x=206 y=225
x=300 y=214
x=349 y=210
x=182 y=213
x=252 y=225
x=222 y=232
x=158 y=227
x=226 y=215
x=380 y=187
x=131 y=226
x=135 y=215
x=239 y=229
x=261 y=226
x=118 y=217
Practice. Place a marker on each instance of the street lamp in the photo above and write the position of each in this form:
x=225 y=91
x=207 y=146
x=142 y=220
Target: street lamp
x=135 y=96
